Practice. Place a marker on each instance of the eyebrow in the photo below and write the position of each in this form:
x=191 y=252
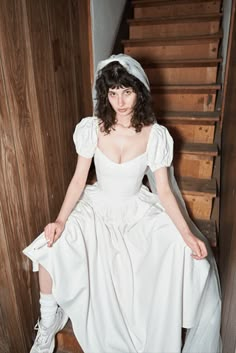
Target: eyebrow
x=125 y=88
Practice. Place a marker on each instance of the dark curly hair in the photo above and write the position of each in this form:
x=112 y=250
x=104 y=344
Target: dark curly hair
x=114 y=75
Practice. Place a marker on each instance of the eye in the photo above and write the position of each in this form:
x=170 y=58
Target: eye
x=111 y=94
x=128 y=92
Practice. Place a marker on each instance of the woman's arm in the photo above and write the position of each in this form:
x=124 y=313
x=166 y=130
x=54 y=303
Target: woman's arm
x=74 y=191
x=172 y=209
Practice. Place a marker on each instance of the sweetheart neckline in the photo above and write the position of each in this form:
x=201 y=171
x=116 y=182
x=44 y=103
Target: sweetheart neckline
x=133 y=159
x=126 y=162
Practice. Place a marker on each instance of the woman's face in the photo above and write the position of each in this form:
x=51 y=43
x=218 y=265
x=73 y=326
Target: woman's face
x=122 y=101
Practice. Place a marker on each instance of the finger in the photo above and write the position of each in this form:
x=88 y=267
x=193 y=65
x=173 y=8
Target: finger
x=50 y=233
x=48 y=230
x=203 y=250
x=50 y=240
x=198 y=251
x=57 y=234
x=195 y=256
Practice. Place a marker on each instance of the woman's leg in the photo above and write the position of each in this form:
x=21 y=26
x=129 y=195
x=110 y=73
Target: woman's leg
x=53 y=318
x=48 y=304
x=45 y=281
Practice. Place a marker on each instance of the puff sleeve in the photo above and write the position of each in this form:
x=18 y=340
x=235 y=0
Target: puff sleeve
x=85 y=137
x=160 y=148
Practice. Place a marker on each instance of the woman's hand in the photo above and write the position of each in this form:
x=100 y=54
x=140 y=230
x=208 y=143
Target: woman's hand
x=53 y=232
x=198 y=247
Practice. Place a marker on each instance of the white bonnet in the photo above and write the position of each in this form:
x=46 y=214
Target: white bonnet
x=131 y=65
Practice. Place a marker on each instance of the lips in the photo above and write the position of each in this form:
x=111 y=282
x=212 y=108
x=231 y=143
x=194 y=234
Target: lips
x=122 y=110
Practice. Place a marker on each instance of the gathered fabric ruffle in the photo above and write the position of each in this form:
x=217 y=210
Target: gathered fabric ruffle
x=204 y=336
x=124 y=275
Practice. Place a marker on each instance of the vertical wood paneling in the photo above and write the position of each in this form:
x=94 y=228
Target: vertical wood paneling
x=23 y=109
x=46 y=93
x=39 y=107
x=65 y=80
x=21 y=160
x=15 y=274
x=7 y=298
x=18 y=195
x=81 y=35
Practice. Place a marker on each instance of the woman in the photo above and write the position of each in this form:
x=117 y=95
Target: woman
x=123 y=263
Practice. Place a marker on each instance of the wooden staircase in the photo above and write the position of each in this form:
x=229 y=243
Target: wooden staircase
x=177 y=43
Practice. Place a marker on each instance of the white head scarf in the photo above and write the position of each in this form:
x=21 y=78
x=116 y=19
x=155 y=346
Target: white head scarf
x=131 y=65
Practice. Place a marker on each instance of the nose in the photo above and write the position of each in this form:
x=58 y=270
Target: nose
x=120 y=100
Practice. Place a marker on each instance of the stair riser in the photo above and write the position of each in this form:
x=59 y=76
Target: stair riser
x=167 y=51
x=192 y=133
x=170 y=29
x=194 y=166
x=209 y=230
x=182 y=75
x=188 y=118
x=199 y=207
x=68 y=342
x=198 y=102
x=177 y=9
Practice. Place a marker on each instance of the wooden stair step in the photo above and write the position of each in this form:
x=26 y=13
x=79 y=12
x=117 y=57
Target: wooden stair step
x=199 y=98
x=207 y=62
x=66 y=341
x=198 y=195
x=189 y=71
x=185 y=117
x=180 y=25
x=145 y=3
x=190 y=127
x=191 y=131
x=174 y=19
x=174 y=48
x=174 y=8
x=186 y=88
x=174 y=40
x=200 y=149
x=208 y=228
x=198 y=187
x=195 y=160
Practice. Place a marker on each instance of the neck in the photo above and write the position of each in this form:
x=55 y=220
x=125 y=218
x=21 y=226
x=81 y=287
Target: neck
x=123 y=121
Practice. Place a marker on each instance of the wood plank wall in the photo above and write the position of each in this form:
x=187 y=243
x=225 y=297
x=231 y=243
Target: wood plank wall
x=45 y=86
x=228 y=205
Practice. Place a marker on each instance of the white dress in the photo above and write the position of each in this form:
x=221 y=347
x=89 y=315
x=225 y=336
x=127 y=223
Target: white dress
x=121 y=270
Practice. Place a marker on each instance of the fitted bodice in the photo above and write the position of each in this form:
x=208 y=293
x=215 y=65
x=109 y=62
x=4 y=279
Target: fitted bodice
x=119 y=179
x=125 y=179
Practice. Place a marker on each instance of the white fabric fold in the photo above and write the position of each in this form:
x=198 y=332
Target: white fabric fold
x=204 y=335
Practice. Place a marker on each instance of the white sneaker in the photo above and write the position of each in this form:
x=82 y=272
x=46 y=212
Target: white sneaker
x=45 y=339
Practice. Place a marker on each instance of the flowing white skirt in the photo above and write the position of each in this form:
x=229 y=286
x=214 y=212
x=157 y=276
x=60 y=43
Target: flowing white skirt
x=125 y=277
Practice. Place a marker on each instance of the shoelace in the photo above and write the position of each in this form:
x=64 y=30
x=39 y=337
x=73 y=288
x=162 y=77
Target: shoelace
x=42 y=334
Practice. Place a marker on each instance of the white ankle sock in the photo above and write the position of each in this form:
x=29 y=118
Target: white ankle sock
x=48 y=309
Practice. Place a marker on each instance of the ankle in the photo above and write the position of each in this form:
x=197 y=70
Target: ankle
x=48 y=309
